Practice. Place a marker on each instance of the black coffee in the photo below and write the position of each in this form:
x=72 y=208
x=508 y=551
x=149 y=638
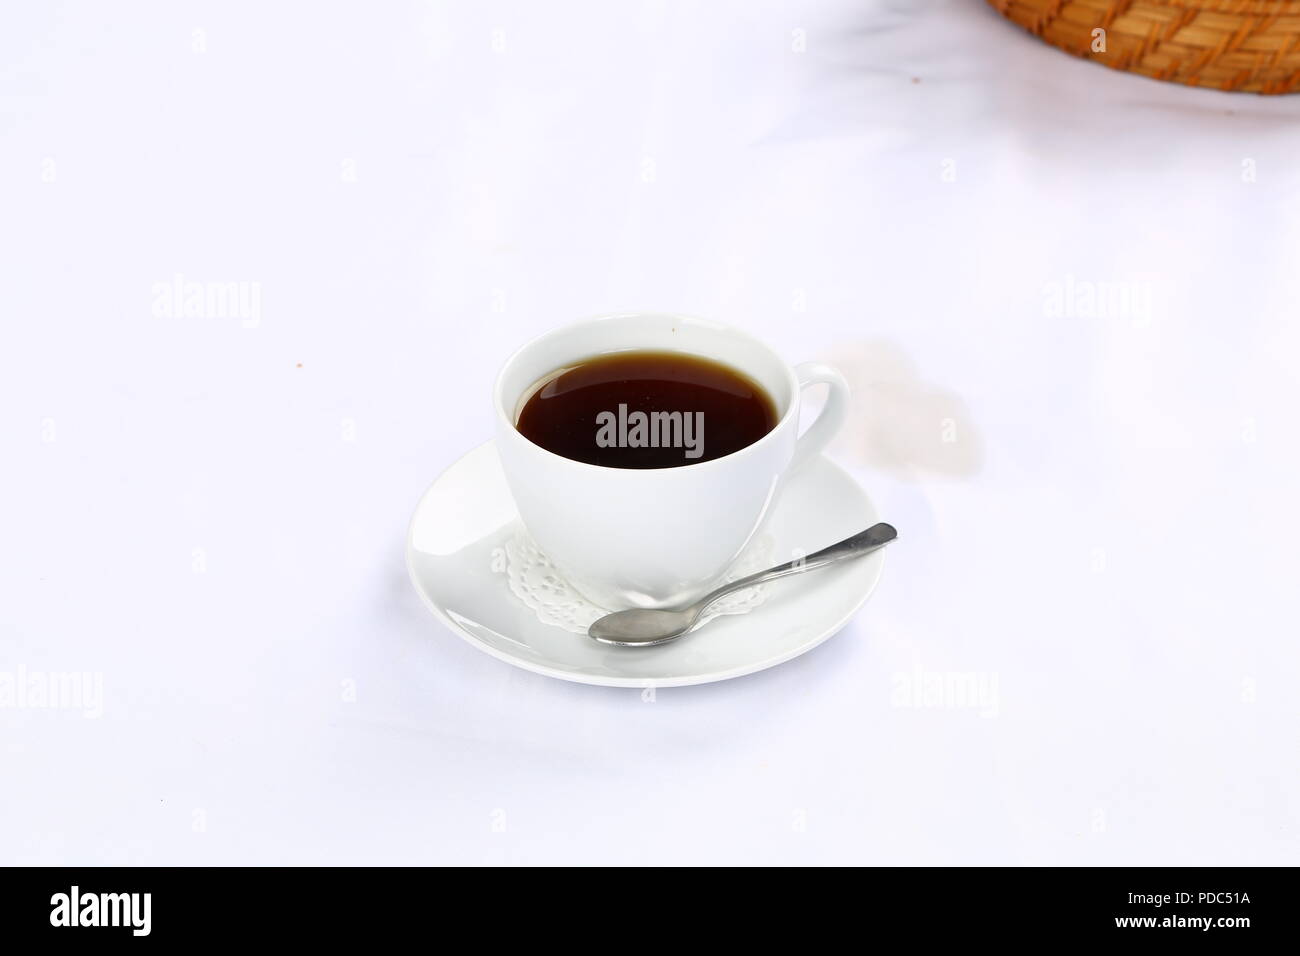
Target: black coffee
x=646 y=409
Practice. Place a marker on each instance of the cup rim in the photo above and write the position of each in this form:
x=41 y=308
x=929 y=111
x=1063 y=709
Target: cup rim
x=504 y=418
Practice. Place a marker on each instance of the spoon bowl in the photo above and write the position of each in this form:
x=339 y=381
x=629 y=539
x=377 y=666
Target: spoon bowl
x=644 y=627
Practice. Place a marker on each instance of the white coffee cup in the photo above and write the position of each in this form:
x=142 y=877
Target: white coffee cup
x=655 y=537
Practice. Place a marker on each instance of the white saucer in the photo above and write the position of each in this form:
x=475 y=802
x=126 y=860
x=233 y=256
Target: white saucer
x=461 y=526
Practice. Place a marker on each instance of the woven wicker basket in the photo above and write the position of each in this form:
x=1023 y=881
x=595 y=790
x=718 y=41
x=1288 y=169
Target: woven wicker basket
x=1247 y=45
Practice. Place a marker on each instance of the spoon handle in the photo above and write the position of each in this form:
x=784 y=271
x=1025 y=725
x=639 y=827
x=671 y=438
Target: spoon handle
x=864 y=542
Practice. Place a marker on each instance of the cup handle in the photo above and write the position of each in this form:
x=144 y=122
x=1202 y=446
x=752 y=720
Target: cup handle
x=834 y=412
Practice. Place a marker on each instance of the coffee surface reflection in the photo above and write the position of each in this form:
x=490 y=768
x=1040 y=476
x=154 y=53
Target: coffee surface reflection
x=646 y=409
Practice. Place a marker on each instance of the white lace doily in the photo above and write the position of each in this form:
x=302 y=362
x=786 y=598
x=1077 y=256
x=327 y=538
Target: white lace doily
x=538 y=584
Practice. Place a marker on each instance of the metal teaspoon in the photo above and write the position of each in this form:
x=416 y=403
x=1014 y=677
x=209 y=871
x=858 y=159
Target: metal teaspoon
x=643 y=627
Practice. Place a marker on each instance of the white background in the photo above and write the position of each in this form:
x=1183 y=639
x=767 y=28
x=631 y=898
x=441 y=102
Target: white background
x=1098 y=506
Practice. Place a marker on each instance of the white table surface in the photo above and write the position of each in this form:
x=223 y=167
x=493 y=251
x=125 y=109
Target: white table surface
x=1098 y=506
